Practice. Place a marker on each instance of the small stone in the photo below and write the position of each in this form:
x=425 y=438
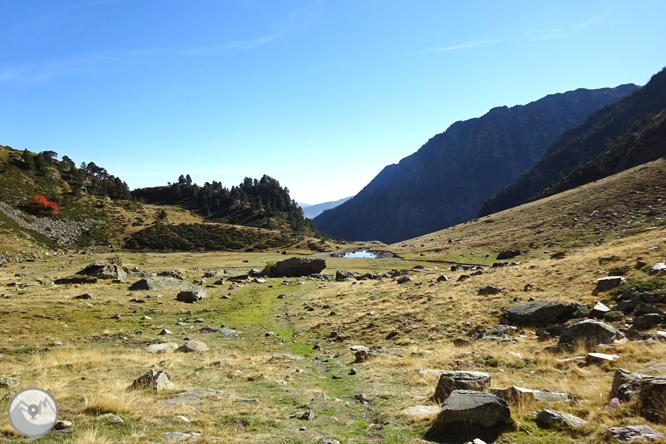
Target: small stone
x=116 y=420
x=553 y=417
x=307 y=416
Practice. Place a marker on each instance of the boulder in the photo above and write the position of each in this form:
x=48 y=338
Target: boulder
x=194 y=345
x=470 y=407
x=652 y=398
x=550 y=417
x=192 y=296
x=608 y=283
x=161 y=283
x=165 y=347
x=647 y=321
x=297 y=266
x=103 y=270
x=539 y=313
x=634 y=433
x=508 y=254
x=519 y=395
x=403 y=279
x=460 y=380
x=599 y=310
x=591 y=333
x=489 y=289
x=156 y=379
x=626 y=385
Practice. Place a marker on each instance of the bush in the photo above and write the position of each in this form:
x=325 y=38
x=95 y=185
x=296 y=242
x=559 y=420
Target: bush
x=41 y=205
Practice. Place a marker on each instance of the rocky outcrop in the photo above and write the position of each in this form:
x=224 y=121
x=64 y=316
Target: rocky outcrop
x=296 y=267
x=475 y=408
x=156 y=379
x=635 y=433
x=103 y=270
x=192 y=296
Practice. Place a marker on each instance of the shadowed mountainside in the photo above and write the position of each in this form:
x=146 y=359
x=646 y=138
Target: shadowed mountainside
x=446 y=181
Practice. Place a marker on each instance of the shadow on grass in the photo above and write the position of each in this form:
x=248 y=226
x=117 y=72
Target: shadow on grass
x=459 y=433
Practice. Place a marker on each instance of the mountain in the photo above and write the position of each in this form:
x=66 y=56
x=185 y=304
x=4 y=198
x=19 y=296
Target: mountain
x=313 y=211
x=303 y=204
x=445 y=182
x=605 y=131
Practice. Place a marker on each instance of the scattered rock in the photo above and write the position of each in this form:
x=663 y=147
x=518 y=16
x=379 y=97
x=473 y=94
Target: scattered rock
x=194 y=345
x=600 y=358
x=659 y=268
x=470 y=407
x=8 y=382
x=156 y=379
x=161 y=283
x=162 y=348
x=599 y=310
x=76 y=280
x=652 y=396
x=519 y=395
x=626 y=385
x=550 y=417
x=191 y=296
x=608 y=283
x=490 y=289
x=591 y=333
x=539 y=313
x=103 y=270
x=83 y=296
x=558 y=255
x=634 y=433
x=460 y=380
x=647 y=321
x=297 y=266
x=403 y=280
x=507 y=254
x=442 y=278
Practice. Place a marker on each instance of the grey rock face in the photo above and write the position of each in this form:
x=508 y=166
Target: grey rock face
x=478 y=408
x=591 y=333
x=156 y=379
x=634 y=433
x=194 y=345
x=599 y=310
x=539 y=313
x=192 y=296
x=626 y=385
x=161 y=283
x=460 y=380
x=553 y=417
x=297 y=266
x=647 y=321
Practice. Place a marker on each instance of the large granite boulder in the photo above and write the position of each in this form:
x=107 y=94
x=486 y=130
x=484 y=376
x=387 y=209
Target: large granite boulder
x=475 y=408
x=591 y=333
x=161 y=283
x=194 y=345
x=626 y=385
x=539 y=313
x=460 y=380
x=103 y=270
x=297 y=266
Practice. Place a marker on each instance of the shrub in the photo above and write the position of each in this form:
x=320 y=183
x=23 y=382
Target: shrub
x=42 y=205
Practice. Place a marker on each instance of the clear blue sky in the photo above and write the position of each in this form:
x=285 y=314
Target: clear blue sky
x=320 y=95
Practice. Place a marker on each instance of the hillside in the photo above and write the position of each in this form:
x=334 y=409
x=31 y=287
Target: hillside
x=584 y=143
x=446 y=181
x=598 y=213
x=256 y=203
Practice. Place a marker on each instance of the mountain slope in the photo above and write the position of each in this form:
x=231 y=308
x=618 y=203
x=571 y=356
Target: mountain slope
x=582 y=144
x=446 y=181
x=313 y=211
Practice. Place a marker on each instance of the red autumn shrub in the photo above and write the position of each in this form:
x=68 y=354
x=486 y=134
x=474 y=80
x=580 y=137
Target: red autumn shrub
x=42 y=205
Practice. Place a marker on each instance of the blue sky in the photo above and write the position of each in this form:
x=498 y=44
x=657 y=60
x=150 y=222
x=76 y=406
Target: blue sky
x=320 y=95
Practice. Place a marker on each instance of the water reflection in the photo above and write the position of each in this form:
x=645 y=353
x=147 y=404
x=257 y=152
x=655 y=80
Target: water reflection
x=365 y=254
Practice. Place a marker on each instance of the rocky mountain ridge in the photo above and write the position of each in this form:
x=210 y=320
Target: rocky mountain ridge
x=446 y=181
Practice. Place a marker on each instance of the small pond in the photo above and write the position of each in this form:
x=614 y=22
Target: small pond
x=365 y=254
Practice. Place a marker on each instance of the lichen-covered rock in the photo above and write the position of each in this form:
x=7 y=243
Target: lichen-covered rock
x=553 y=417
x=634 y=433
x=156 y=379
